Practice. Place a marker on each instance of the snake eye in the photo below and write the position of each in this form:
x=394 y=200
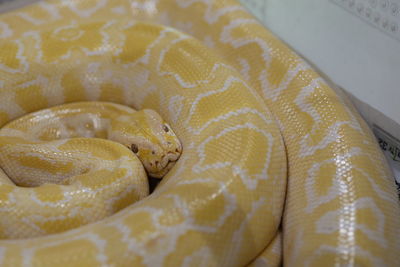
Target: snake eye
x=134 y=148
x=165 y=128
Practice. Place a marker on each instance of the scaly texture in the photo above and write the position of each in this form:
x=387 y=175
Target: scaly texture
x=222 y=203
x=57 y=180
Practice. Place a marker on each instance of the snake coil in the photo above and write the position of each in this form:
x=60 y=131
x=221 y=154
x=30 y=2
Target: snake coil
x=275 y=167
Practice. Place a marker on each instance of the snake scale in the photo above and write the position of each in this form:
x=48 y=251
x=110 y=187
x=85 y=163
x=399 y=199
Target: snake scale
x=275 y=167
x=65 y=178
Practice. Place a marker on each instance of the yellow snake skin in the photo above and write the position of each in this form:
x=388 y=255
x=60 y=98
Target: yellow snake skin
x=276 y=167
x=73 y=181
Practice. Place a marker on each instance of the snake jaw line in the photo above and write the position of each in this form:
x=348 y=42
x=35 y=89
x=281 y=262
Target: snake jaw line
x=160 y=174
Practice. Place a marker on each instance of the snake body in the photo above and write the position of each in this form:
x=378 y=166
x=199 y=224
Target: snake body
x=62 y=182
x=276 y=166
x=153 y=140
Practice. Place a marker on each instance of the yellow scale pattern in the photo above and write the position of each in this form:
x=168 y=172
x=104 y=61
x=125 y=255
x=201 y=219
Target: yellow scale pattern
x=276 y=167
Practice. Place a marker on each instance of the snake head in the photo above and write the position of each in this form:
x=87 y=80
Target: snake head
x=153 y=142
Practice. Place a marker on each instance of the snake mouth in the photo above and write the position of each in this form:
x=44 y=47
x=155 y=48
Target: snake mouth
x=164 y=170
x=166 y=163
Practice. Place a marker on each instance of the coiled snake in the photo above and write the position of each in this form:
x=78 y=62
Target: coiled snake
x=276 y=167
x=99 y=178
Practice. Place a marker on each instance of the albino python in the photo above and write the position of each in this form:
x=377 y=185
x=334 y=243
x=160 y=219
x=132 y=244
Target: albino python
x=99 y=178
x=276 y=167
